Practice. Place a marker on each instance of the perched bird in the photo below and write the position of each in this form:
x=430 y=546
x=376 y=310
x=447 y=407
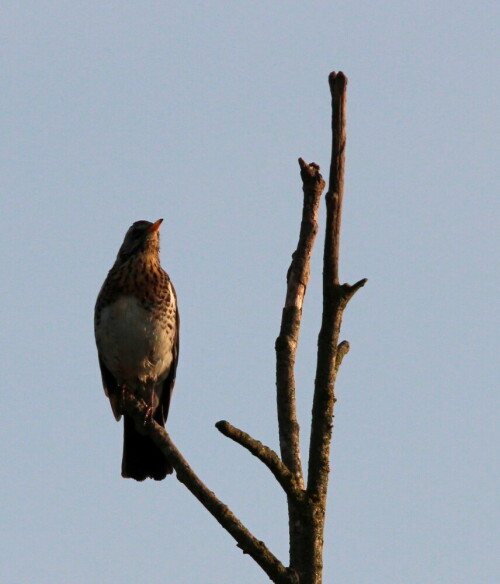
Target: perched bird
x=136 y=324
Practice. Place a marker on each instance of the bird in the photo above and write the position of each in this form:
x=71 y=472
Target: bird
x=136 y=325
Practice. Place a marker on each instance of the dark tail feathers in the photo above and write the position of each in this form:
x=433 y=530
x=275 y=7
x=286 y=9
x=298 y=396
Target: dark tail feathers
x=141 y=457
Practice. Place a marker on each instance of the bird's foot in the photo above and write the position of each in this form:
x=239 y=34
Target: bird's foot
x=150 y=409
x=148 y=416
x=122 y=396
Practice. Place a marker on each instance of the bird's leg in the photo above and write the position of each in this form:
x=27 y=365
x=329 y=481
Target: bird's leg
x=149 y=412
x=123 y=389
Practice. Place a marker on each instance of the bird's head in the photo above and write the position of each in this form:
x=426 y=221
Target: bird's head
x=141 y=237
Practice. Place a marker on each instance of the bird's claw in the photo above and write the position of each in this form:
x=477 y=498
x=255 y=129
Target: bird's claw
x=148 y=416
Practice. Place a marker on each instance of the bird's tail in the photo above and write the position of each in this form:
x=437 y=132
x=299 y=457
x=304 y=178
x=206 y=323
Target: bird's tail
x=141 y=457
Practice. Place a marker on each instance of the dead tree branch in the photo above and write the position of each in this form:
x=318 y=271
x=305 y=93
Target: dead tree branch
x=330 y=353
x=185 y=474
x=286 y=347
x=342 y=351
x=266 y=455
x=286 y=343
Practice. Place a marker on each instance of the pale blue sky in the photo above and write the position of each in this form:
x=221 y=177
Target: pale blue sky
x=197 y=112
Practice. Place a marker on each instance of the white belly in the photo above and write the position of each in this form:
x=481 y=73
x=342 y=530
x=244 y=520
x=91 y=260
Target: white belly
x=138 y=349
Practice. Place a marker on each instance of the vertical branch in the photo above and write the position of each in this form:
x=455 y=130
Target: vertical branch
x=338 y=89
x=335 y=298
x=286 y=343
x=286 y=346
x=333 y=302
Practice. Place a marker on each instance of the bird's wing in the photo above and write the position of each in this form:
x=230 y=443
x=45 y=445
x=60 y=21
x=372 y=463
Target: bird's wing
x=168 y=384
x=111 y=388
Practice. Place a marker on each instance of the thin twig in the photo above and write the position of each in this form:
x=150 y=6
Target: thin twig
x=349 y=290
x=265 y=455
x=342 y=351
x=276 y=571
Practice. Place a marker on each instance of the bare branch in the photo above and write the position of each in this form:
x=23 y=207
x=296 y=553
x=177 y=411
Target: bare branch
x=265 y=455
x=348 y=291
x=338 y=87
x=330 y=352
x=276 y=571
x=333 y=302
x=286 y=343
x=286 y=347
x=342 y=351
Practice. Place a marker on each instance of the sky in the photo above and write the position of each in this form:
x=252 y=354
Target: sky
x=197 y=112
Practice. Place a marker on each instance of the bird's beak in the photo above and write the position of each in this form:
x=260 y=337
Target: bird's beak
x=154 y=227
